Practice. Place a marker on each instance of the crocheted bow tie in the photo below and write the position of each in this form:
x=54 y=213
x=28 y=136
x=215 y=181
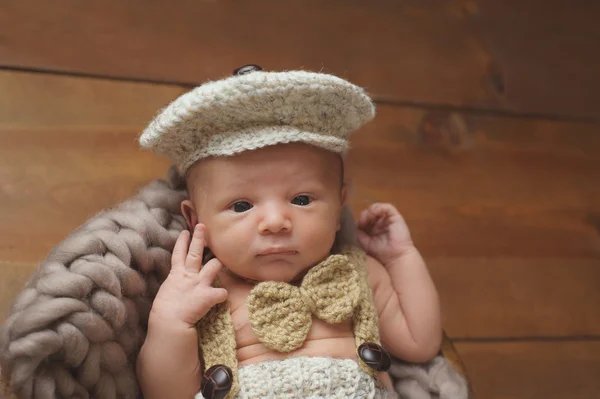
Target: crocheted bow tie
x=281 y=314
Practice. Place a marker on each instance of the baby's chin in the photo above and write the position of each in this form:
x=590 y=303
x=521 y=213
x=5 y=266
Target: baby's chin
x=274 y=271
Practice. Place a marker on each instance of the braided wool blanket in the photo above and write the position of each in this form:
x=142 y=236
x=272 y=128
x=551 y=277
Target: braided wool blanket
x=76 y=328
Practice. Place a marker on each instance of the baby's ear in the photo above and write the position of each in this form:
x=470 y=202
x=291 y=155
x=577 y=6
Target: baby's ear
x=344 y=194
x=189 y=213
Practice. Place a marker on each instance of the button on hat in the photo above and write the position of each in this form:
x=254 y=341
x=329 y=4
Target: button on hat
x=246 y=69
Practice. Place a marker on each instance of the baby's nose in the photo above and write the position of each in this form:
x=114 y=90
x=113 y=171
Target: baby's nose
x=275 y=220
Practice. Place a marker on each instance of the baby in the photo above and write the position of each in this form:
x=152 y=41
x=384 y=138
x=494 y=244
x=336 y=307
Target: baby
x=266 y=197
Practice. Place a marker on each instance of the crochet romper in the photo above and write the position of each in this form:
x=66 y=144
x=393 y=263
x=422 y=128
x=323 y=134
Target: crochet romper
x=280 y=314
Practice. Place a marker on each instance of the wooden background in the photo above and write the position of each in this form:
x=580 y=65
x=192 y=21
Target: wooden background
x=487 y=139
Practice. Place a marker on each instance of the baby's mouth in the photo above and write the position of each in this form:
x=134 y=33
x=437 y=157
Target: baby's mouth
x=278 y=251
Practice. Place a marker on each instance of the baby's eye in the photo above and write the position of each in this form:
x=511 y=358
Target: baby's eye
x=301 y=200
x=241 y=206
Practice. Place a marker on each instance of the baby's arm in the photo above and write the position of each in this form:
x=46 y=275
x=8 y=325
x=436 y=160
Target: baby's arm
x=168 y=365
x=404 y=294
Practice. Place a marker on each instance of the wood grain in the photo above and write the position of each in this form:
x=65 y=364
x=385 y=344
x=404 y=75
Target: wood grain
x=475 y=53
x=533 y=370
x=194 y=41
x=541 y=54
x=496 y=298
x=34 y=101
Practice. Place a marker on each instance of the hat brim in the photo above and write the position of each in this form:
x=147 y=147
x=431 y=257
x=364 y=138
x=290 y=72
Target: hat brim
x=232 y=143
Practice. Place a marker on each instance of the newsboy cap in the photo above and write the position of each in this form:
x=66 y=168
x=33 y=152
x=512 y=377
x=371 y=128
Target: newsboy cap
x=255 y=109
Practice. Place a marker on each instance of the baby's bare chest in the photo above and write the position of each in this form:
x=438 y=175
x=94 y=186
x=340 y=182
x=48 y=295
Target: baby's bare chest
x=323 y=339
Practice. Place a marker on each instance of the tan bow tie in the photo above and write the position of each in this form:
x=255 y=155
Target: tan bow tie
x=281 y=314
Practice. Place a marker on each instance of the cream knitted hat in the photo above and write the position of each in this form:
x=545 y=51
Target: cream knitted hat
x=256 y=109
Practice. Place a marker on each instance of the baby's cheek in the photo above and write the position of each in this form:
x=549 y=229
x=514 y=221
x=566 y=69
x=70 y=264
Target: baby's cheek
x=322 y=241
x=230 y=249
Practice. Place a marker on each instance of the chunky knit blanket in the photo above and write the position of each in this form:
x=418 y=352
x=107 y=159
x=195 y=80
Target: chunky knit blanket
x=76 y=328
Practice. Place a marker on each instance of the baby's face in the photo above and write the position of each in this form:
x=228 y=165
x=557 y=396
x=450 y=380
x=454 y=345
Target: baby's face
x=272 y=213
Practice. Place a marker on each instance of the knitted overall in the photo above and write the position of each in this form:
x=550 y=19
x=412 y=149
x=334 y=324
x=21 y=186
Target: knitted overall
x=281 y=314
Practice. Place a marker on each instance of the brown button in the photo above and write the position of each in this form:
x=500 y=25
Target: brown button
x=375 y=356
x=246 y=69
x=216 y=382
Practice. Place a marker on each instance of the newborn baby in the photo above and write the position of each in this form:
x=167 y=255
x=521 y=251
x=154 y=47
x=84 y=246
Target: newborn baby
x=265 y=218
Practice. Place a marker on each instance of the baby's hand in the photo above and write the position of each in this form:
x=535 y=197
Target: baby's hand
x=382 y=232
x=187 y=294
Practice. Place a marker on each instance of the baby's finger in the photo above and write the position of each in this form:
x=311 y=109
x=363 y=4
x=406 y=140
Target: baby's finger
x=379 y=210
x=219 y=295
x=378 y=226
x=385 y=209
x=366 y=219
x=207 y=297
x=180 y=250
x=193 y=261
x=210 y=271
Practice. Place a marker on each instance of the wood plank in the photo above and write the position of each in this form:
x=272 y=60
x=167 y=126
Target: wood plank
x=390 y=47
x=394 y=49
x=533 y=370
x=461 y=53
x=39 y=101
x=518 y=298
x=543 y=54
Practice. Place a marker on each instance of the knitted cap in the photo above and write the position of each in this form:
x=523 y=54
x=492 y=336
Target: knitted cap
x=258 y=109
